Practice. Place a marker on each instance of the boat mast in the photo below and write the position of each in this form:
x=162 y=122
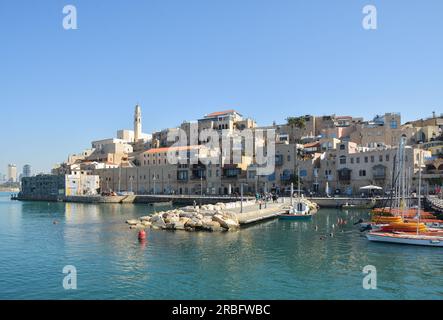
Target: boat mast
x=298 y=172
x=419 y=191
x=119 y=177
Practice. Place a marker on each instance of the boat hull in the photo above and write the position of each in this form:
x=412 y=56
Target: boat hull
x=295 y=216
x=406 y=239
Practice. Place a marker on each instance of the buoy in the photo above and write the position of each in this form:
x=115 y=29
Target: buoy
x=142 y=235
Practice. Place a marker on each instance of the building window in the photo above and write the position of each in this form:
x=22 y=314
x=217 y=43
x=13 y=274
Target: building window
x=342 y=160
x=387 y=157
x=358 y=160
x=394 y=124
x=362 y=173
x=366 y=159
x=342 y=147
x=380 y=158
x=352 y=160
x=372 y=158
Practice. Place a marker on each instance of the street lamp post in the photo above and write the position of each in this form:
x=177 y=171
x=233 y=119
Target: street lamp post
x=241 y=197
x=154 y=179
x=131 y=179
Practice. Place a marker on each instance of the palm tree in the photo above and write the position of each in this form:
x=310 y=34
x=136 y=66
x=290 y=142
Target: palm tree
x=296 y=122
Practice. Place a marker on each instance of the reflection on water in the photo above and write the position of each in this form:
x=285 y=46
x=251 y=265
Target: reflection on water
x=317 y=259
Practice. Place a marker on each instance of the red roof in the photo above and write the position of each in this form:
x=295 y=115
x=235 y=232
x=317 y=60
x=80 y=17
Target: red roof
x=220 y=113
x=312 y=144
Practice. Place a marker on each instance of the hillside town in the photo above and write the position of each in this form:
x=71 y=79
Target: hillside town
x=329 y=155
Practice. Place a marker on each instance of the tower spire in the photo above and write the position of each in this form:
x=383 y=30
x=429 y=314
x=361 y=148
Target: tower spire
x=137 y=123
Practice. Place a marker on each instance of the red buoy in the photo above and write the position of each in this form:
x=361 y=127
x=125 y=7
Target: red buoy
x=142 y=235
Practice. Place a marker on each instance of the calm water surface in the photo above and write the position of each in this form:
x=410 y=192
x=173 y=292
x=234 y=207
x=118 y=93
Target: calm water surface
x=271 y=260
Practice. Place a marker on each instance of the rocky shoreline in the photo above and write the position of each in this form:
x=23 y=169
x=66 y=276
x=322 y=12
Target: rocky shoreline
x=212 y=218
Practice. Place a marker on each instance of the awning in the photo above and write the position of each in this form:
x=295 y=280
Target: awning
x=371 y=187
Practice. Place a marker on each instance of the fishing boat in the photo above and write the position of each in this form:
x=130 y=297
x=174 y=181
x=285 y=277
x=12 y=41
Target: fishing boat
x=301 y=211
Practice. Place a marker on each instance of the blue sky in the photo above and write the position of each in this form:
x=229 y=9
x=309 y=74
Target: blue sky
x=182 y=59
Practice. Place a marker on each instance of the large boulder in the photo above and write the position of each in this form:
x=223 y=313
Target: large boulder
x=207 y=212
x=133 y=222
x=221 y=205
x=194 y=223
x=207 y=219
x=169 y=226
x=230 y=215
x=184 y=220
x=212 y=226
x=179 y=225
x=146 y=223
x=159 y=222
x=226 y=222
x=187 y=215
x=172 y=218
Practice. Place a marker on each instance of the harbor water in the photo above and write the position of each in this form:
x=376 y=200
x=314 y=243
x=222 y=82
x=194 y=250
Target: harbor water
x=271 y=260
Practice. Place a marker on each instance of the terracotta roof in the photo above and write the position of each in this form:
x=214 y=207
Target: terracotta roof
x=344 y=117
x=220 y=113
x=160 y=150
x=312 y=144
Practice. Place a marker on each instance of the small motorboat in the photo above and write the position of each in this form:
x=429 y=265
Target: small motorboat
x=301 y=211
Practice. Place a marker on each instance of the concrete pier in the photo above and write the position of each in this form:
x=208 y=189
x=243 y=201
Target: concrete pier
x=253 y=213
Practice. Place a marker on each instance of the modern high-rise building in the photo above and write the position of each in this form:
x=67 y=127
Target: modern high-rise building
x=12 y=173
x=26 y=171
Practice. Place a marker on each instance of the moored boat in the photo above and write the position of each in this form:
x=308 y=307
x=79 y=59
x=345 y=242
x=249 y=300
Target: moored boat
x=398 y=229
x=405 y=238
x=301 y=211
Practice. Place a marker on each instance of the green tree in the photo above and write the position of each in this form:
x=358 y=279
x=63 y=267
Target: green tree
x=296 y=122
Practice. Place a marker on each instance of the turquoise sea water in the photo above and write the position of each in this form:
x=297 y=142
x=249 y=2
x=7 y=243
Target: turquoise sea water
x=271 y=260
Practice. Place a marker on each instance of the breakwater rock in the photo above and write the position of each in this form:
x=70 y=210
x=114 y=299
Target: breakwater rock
x=205 y=218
